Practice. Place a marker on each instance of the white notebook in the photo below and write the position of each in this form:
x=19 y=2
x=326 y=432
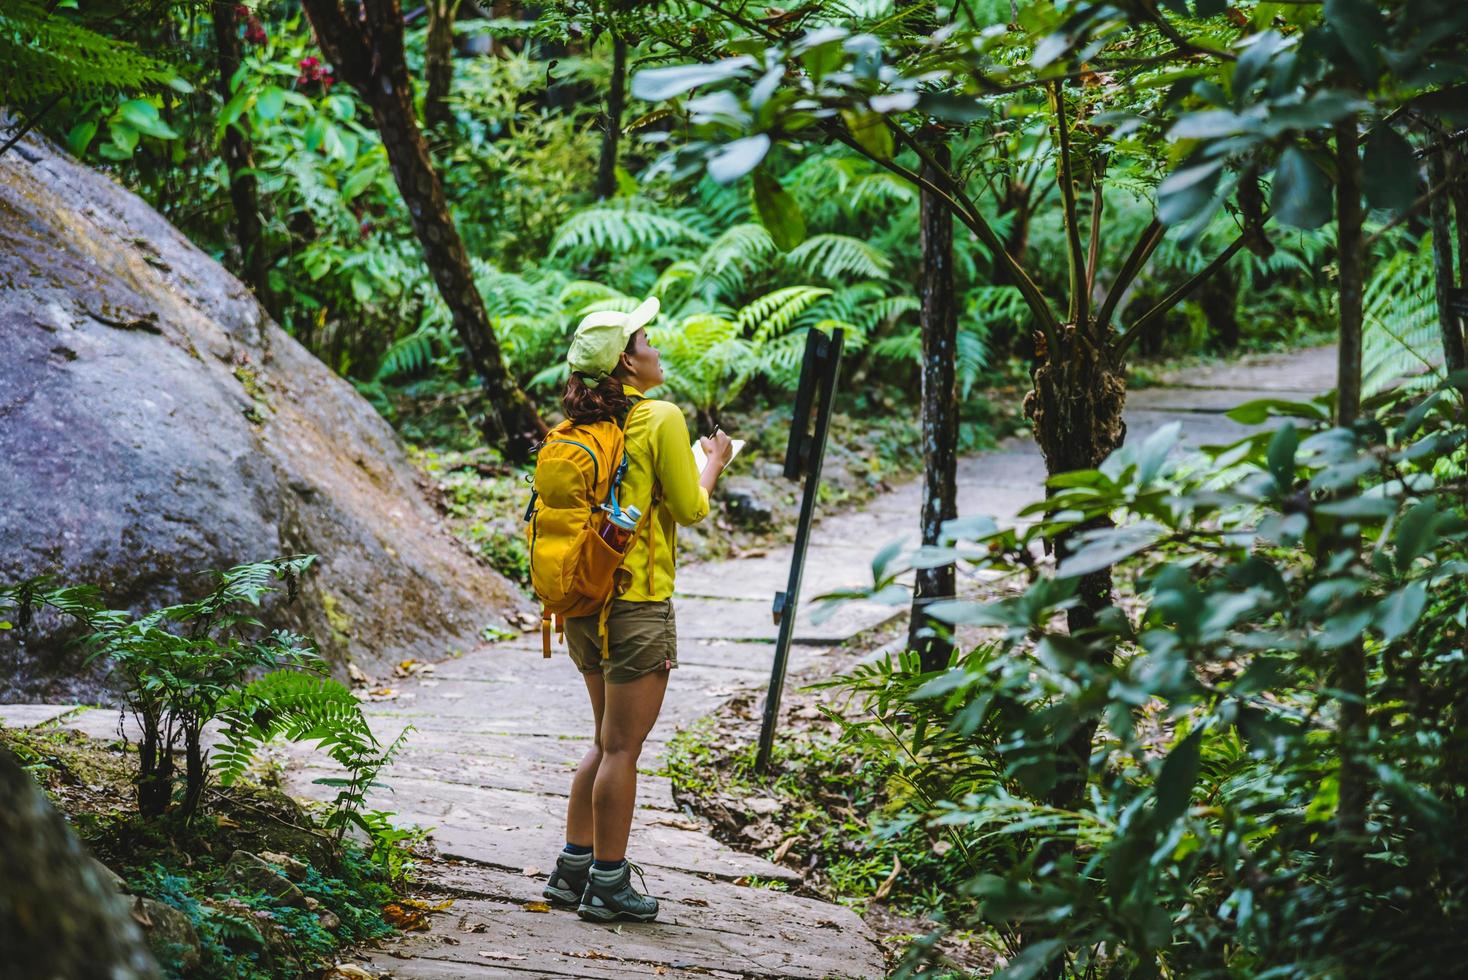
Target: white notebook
x=700 y=459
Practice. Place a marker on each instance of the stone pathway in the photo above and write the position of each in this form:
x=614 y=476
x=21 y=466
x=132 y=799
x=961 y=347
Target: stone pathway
x=499 y=730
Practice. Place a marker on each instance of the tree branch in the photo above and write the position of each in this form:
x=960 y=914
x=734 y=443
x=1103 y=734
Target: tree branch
x=30 y=123
x=1141 y=251
x=1075 y=260
x=970 y=216
x=1175 y=297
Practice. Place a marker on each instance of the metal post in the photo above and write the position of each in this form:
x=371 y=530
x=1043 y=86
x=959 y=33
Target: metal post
x=804 y=454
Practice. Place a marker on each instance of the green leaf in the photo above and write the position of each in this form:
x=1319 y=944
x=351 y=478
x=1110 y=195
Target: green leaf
x=142 y=116
x=1104 y=548
x=1175 y=781
x=1261 y=409
x=778 y=211
x=1281 y=455
x=738 y=158
x=1358 y=27
x=658 y=84
x=1398 y=612
x=1388 y=170
x=952 y=107
x=80 y=137
x=1417 y=532
x=270 y=102
x=1301 y=192
x=869 y=129
x=1184 y=193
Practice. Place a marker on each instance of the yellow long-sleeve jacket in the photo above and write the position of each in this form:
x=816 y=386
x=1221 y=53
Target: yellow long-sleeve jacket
x=659 y=459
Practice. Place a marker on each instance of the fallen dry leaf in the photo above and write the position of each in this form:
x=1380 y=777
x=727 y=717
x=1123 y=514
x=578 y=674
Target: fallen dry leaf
x=700 y=902
x=783 y=849
x=348 y=971
x=537 y=906
x=494 y=954
x=886 y=886
x=531 y=872
x=592 y=954
x=357 y=677
x=678 y=823
x=405 y=918
x=418 y=903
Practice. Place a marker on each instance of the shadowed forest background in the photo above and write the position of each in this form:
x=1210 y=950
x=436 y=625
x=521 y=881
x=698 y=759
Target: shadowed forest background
x=1201 y=712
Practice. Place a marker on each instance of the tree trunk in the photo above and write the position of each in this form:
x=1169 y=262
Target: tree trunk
x=369 y=56
x=438 y=68
x=1348 y=247
x=239 y=160
x=1076 y=408
x=606 y=171
x=1442 y=261
x=59 y=916
x=1350 y=671
x=939 y=416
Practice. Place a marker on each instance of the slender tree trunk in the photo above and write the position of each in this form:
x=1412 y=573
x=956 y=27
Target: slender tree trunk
x=195 y=774
x=939 y=418
x=1349 y=217
x=1351 y=667
x=369 y=56
x=239 y=160
x=1442 y=260
x=59 y=917
x=606 y=171
x=438 y=69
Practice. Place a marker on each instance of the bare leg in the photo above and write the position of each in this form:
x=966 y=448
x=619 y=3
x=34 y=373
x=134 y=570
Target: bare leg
x=578 y=810
x=631 y=710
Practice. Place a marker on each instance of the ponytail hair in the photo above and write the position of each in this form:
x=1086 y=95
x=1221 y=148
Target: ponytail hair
x=606 y=402
x=603 y=401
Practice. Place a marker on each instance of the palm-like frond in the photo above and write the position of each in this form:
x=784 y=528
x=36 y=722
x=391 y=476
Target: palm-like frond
x=622 y=228
x=1401 y=339
x=706 y=359
x=774 y=313
x=45 y=53
x=834 y=257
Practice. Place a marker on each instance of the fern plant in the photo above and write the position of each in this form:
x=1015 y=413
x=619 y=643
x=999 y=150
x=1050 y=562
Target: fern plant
x=1400 y=337
x=46 y=54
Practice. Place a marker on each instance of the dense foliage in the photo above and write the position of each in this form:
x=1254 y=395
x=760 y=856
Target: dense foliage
x=183 y=667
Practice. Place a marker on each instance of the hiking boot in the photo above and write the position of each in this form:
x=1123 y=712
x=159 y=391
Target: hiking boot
x=568 y=881
x=610 y=897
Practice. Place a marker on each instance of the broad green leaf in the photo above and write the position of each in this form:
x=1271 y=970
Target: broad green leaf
x=1175 y=781
x=1399 y=612
x=778 y=211
x=1260 y=410
x=658 y=84
x=1358 y=27
x=1186 y=192
x=869 y=129
x=1301 y=192
x=1281 y=456
x=1104 y=548
x=80 y=137
x=1388 y=170
x=270 y=102
x=738 y=158
x=142 y=116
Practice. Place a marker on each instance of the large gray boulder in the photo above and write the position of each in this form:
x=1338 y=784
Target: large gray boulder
x=156 y=424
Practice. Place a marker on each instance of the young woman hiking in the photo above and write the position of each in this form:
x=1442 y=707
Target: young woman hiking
x=612 y=367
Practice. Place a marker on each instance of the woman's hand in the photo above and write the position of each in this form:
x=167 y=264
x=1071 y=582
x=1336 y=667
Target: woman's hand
x=719 y=449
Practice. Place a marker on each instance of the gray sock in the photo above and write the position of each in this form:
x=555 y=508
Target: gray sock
x=576 y=862
x=606 y=877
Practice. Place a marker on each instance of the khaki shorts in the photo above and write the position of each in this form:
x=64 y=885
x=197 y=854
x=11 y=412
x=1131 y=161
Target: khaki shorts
x=641 y=638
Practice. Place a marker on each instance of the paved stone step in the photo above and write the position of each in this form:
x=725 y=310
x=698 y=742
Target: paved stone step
x=34 y=715
x=744 y=932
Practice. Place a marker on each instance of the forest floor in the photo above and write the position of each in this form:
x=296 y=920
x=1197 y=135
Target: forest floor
x=499 y=730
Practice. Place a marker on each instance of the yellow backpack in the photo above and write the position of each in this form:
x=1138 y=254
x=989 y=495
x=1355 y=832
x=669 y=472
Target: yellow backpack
x=573 y=571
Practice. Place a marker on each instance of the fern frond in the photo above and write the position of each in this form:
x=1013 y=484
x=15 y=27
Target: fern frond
x=620 y=229
x=833 y=257
x=44 y=53
x=774 y=313
x=1401 y=339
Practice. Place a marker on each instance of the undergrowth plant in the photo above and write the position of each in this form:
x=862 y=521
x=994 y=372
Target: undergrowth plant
x=1243 y=812
x=185 y=666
